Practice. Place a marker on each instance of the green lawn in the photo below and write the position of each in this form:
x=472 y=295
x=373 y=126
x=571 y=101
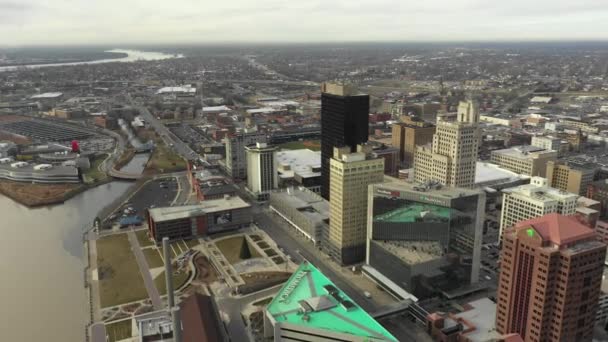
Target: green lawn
x=174 y=250
x=192 y=243
x=142 y=237
x=93 y=174
x=119 y=278
x=178 y=280
x=165 y=160
x=234 y=249
x=314 y=145
x=119 y=330
x=153 y=257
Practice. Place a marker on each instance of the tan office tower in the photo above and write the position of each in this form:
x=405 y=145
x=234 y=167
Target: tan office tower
x=550 y=279
x=350 y=174
x=408 y=134
x=572 y=176
x=452 y=157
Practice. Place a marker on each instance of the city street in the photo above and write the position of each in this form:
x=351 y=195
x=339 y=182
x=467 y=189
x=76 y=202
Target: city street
x=301 y=251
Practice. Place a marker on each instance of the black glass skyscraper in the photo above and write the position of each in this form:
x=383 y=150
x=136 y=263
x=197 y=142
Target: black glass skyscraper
x=344 y=122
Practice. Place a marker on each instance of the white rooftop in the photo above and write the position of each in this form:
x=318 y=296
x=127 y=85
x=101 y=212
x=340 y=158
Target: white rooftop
x=542 y=193
x=300 y=162
x=487 y=174
x=523 y=151
x=262 y=110
x=47 y=95
x=541 y=99
x=205 y=207
x=180 y=89
x=216 y=109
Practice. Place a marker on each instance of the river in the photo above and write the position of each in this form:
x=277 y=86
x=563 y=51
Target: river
x=133 y=55
x=42 y=266
x=137 y=164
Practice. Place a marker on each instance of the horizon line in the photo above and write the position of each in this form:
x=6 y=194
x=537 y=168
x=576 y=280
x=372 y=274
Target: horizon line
x=311 y=42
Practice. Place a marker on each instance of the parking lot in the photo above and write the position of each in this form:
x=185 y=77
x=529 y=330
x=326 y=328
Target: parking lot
x=156 y=193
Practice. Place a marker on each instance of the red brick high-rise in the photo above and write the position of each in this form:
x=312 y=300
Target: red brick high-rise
x=551 y=272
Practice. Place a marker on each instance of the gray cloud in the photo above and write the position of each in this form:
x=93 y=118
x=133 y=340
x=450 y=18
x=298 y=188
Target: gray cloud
x=182 y=21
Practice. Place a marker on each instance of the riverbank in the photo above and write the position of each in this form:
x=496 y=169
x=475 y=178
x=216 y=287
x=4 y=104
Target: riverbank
x=39 y=195
x=97 y=56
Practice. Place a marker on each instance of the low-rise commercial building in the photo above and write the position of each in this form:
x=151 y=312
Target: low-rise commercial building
x=474 y=324
x=43 y=173
x=526 y=160
x=211 y=216
x=304 y=210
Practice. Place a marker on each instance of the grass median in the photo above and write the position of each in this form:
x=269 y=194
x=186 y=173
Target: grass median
x=120 y=280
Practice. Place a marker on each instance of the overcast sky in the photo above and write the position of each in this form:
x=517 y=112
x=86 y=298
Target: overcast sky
x=26 y=22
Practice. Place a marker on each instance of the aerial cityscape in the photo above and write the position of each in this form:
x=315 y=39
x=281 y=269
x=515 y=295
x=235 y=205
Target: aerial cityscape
x=445 y=187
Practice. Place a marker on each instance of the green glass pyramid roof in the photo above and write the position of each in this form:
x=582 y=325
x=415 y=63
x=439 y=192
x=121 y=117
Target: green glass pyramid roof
x=310 y=299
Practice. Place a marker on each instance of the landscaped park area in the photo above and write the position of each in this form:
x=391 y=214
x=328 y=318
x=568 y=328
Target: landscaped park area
x=120 y=279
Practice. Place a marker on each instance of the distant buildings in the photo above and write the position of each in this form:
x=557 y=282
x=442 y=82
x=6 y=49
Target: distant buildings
x=408 y=134
x=599 y=191
x=452 y=157
x=549 y=285
x=210 y=216
x=236 y=162
x=547 y=143
x=571 y=176
x=431 y=234
x=350 y=174
x=309 y=307
x=178 y=91
x=391 y=159
x=534 y=200
x=526 y=160
x=261 y=170
x=344 y=122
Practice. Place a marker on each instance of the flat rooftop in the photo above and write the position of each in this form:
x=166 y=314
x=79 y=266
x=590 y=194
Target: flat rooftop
x=541 y=193
x=482 y=315
x=394 y=184
x=489 y=174
x=51 y=95
x=300 y=161
x=205 y=207
x=311 y=300
x=524 y=151
x=181 y=89
x=56 y=170
x=413 y=252
x=315 y=207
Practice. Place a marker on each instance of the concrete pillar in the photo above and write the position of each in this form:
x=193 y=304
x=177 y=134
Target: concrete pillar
x=168 y=273
x=177 y=324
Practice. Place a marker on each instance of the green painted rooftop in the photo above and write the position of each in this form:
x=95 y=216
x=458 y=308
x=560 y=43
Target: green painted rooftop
x=306 y=299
